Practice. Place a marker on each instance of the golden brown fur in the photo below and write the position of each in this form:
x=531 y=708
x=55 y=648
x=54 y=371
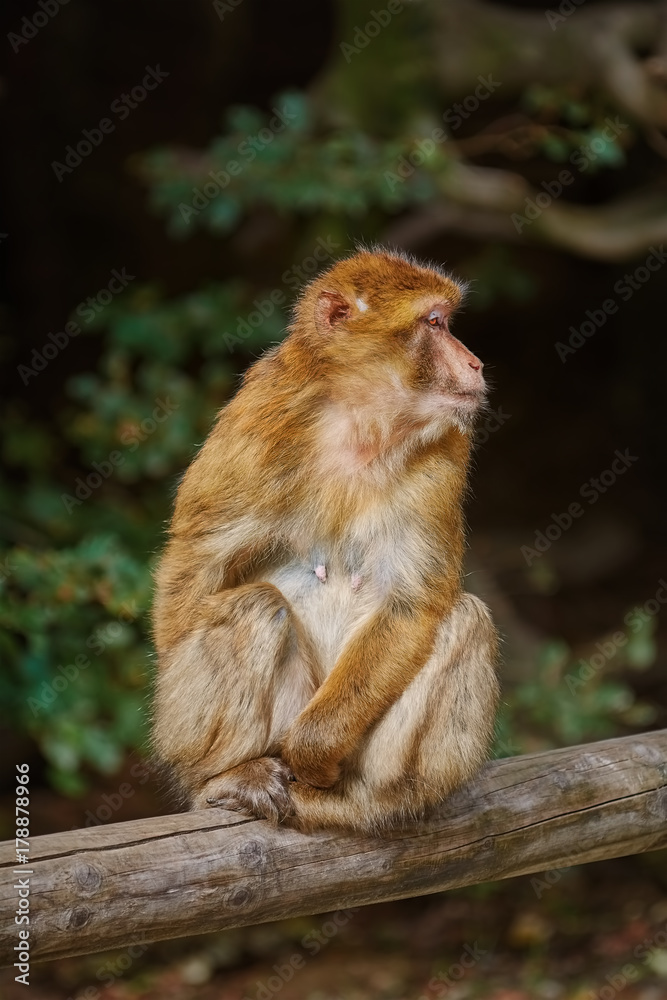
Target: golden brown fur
x=309 y=617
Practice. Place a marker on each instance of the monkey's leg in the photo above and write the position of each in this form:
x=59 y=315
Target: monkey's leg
x=434 y=738
x=226 y=695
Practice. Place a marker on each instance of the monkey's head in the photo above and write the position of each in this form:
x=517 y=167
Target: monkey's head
x=379 y=326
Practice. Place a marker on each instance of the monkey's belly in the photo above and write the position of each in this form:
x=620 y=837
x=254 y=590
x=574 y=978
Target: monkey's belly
x=329 y=602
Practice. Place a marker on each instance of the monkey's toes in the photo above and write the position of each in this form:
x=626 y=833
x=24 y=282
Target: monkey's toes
x=231 y=804
x=258 y=788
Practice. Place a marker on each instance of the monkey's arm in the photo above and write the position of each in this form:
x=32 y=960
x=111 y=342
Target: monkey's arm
x=373 y=670
x=221 y=527
x=192 y=570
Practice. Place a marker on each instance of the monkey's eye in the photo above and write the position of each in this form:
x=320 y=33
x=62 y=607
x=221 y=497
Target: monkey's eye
x=436 y=318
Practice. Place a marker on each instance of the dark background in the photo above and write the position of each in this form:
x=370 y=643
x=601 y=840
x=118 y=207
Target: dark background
x=67 y=577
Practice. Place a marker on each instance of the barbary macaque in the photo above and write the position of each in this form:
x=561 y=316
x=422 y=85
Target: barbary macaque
x=319 y=662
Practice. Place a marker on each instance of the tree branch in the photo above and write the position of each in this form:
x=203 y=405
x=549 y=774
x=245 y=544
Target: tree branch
x=176 y=875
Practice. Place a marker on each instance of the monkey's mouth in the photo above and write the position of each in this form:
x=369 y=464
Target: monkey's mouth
x=453 y=402
x=470 y=398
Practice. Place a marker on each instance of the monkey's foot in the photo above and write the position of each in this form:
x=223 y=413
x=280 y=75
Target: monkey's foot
x=258 y=788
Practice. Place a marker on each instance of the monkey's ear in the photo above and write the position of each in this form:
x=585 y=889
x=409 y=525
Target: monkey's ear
x=331 y=309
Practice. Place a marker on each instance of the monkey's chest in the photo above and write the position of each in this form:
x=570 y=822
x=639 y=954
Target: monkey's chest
x=329 y=596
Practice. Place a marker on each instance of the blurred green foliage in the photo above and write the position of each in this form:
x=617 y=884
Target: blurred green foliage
x=92 y=484
x=572 y=699
x=76 y=588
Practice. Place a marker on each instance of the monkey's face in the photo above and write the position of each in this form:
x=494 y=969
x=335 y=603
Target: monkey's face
x=444 y=375
x=383 y=326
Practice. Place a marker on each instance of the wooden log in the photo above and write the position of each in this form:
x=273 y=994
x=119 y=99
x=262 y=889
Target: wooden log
x=171 y=876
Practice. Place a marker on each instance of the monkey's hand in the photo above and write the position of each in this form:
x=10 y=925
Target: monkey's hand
x=373 y=670
x=257 y=788
x=311 y=751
